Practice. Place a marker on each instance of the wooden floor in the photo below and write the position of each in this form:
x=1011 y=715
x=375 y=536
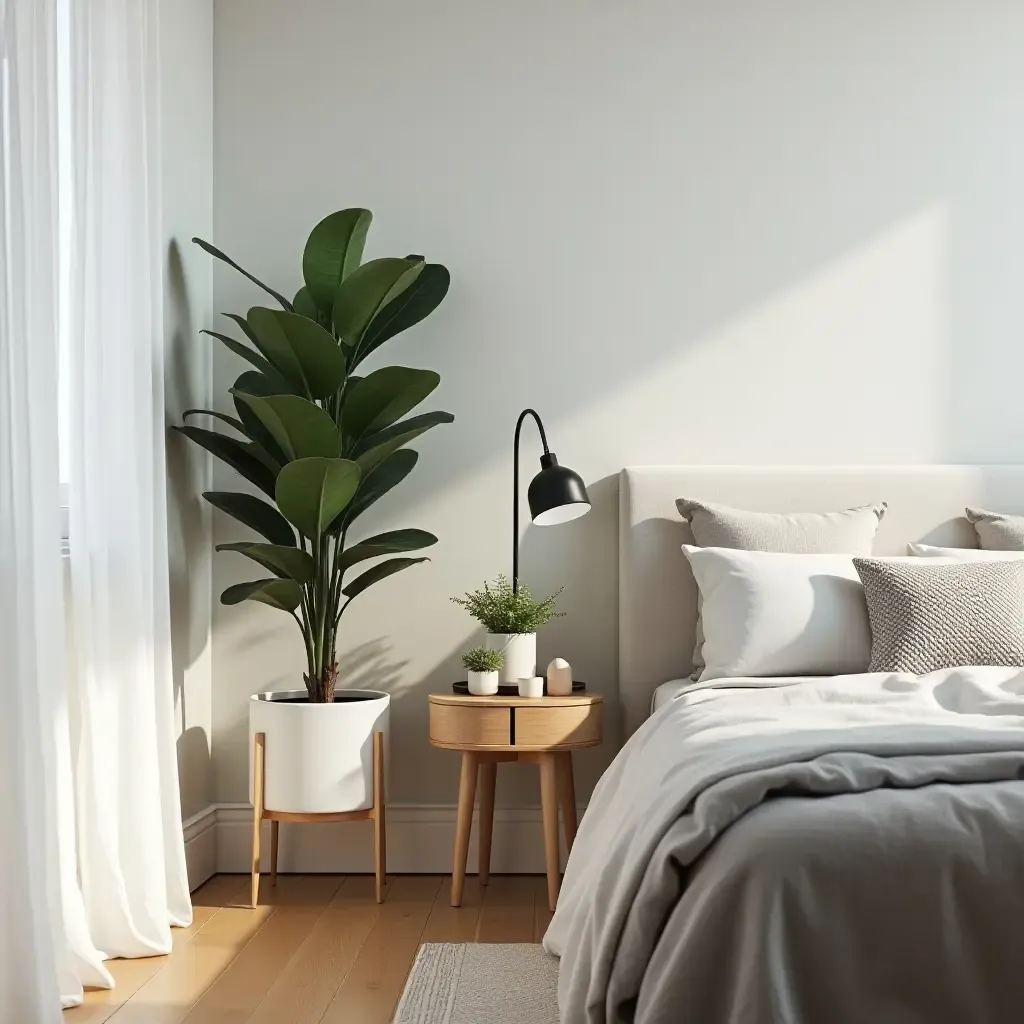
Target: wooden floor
x=318 y=949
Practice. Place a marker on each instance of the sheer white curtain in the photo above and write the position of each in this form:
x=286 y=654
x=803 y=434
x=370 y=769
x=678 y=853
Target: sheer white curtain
x=45 y=950
x=131 y=852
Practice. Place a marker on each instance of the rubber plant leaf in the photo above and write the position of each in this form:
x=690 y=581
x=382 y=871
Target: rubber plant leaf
x=285 y=561
x=366 y=291
x=312 y=492
x=244 y=351
x=231 y=421
x=389 y=543
x=301 y=429
x=388 y=473
x=282 y=594
x=333 y=251
x=414 y=304
x=379 y=572
x=375 y=447
x=382 y=397
x=305 y=354
x=255 y=513
x=237 y=454
x=217 y=254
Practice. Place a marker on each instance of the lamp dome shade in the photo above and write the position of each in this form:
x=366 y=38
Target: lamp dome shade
x=556 y=494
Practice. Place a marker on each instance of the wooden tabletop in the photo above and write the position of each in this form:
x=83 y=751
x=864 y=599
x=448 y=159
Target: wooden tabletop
x=468 y=700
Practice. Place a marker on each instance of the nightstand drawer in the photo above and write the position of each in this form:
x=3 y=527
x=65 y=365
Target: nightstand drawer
x=470 y=726
x=558 y=727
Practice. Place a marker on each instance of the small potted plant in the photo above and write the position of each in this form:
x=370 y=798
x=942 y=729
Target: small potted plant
x=511 y=618
x=482 y=668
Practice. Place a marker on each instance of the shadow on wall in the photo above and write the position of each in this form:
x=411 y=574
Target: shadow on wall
x=188 y=536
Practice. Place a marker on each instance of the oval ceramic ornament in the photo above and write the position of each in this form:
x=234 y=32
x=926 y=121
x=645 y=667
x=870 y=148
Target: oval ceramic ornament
x=559 y=678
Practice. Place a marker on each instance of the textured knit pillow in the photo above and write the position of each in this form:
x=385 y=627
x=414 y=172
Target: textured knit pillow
x=927 y=616
x=997 y=532
x=848 y=532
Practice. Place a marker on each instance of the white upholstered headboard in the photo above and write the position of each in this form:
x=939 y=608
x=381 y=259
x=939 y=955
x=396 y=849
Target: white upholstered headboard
x=657 y=595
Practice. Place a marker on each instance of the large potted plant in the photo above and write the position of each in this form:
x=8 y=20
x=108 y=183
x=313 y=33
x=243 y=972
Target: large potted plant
x=511 y=618
x=322 y=443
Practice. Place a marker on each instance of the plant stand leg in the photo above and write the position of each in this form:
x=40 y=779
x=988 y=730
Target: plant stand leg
x=274 y=826
x=567 y=798
x=488 y=777
x=463 y=824
x=259 y=748
x=549 y=814
x=380 y=847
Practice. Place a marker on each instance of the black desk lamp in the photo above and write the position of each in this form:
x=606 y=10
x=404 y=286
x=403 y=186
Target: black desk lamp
x=556 y=494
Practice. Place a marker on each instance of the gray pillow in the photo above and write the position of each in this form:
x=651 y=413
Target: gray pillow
x=997 y=532
x=926 y=616
x=849 y=532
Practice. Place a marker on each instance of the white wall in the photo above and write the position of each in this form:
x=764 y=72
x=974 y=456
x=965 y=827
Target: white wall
x=683 y=231
x=186 y=63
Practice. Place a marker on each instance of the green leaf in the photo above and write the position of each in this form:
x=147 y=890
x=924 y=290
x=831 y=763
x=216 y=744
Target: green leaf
x=301 y=429
x=418 y=301
x=237 y=454
x=386 y=544
x=333 y=251
x=301 y=349
x=311 y=493
x=285 y=561
x=242 y=350
x=229 y=420
x=282 y=594
x=377 y=446
x=390 y=471
x=379 y=572
x=366 y=291
x=217 y=254
x=383 y=397
x=255 y=513
x=304 y=305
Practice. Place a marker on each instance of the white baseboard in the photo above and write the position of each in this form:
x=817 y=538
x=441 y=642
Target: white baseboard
x=420 y=841
x=200 y=846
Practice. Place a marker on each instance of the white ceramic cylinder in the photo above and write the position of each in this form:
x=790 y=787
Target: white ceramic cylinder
x=520 y=650
x=318 y=757
x=482 y=684
x=531 y=686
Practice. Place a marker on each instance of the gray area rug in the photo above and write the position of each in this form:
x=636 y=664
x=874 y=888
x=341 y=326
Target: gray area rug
x=480 y=983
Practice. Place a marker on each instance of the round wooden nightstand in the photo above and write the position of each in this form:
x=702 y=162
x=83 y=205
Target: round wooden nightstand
x=491 y=729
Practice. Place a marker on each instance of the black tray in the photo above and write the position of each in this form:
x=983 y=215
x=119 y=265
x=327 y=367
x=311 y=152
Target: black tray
x=512 y=689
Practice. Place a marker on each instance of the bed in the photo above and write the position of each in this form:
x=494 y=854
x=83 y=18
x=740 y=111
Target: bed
x=798 y=850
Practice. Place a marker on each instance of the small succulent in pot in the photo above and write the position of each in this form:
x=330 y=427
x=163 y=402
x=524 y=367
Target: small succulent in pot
x=482 y=668
x=480 y=659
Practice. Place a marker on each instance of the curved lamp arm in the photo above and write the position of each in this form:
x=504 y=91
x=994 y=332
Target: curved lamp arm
x=515 y=488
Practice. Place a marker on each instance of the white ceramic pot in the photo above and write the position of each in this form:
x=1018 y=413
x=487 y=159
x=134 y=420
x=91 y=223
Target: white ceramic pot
x=520 y=650
x=483 y=684
x=318 y=757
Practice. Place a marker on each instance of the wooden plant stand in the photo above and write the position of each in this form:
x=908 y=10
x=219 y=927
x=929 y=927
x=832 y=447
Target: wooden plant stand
x=375 y=813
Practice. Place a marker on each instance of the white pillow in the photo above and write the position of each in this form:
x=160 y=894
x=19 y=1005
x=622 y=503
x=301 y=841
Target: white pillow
x=965 y=554
x=773 y=614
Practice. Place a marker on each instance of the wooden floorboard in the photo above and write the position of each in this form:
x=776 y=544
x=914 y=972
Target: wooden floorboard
x=318 y=949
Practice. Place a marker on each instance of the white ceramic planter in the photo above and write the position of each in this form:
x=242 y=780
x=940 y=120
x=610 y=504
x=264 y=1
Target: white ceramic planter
x=482 y=684
x=318 y=757
x=520 y=650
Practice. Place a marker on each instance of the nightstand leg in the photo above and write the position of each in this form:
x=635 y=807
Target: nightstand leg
x=567 y=797
x=274 y=829
x=488 y=777
x=467 y=797
x=549 y=812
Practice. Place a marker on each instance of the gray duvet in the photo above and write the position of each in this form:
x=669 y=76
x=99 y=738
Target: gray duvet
x=828 y=851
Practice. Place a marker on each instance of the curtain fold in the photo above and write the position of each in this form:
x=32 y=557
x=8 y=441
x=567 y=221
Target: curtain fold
x=131 y=850
x=45 y=950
